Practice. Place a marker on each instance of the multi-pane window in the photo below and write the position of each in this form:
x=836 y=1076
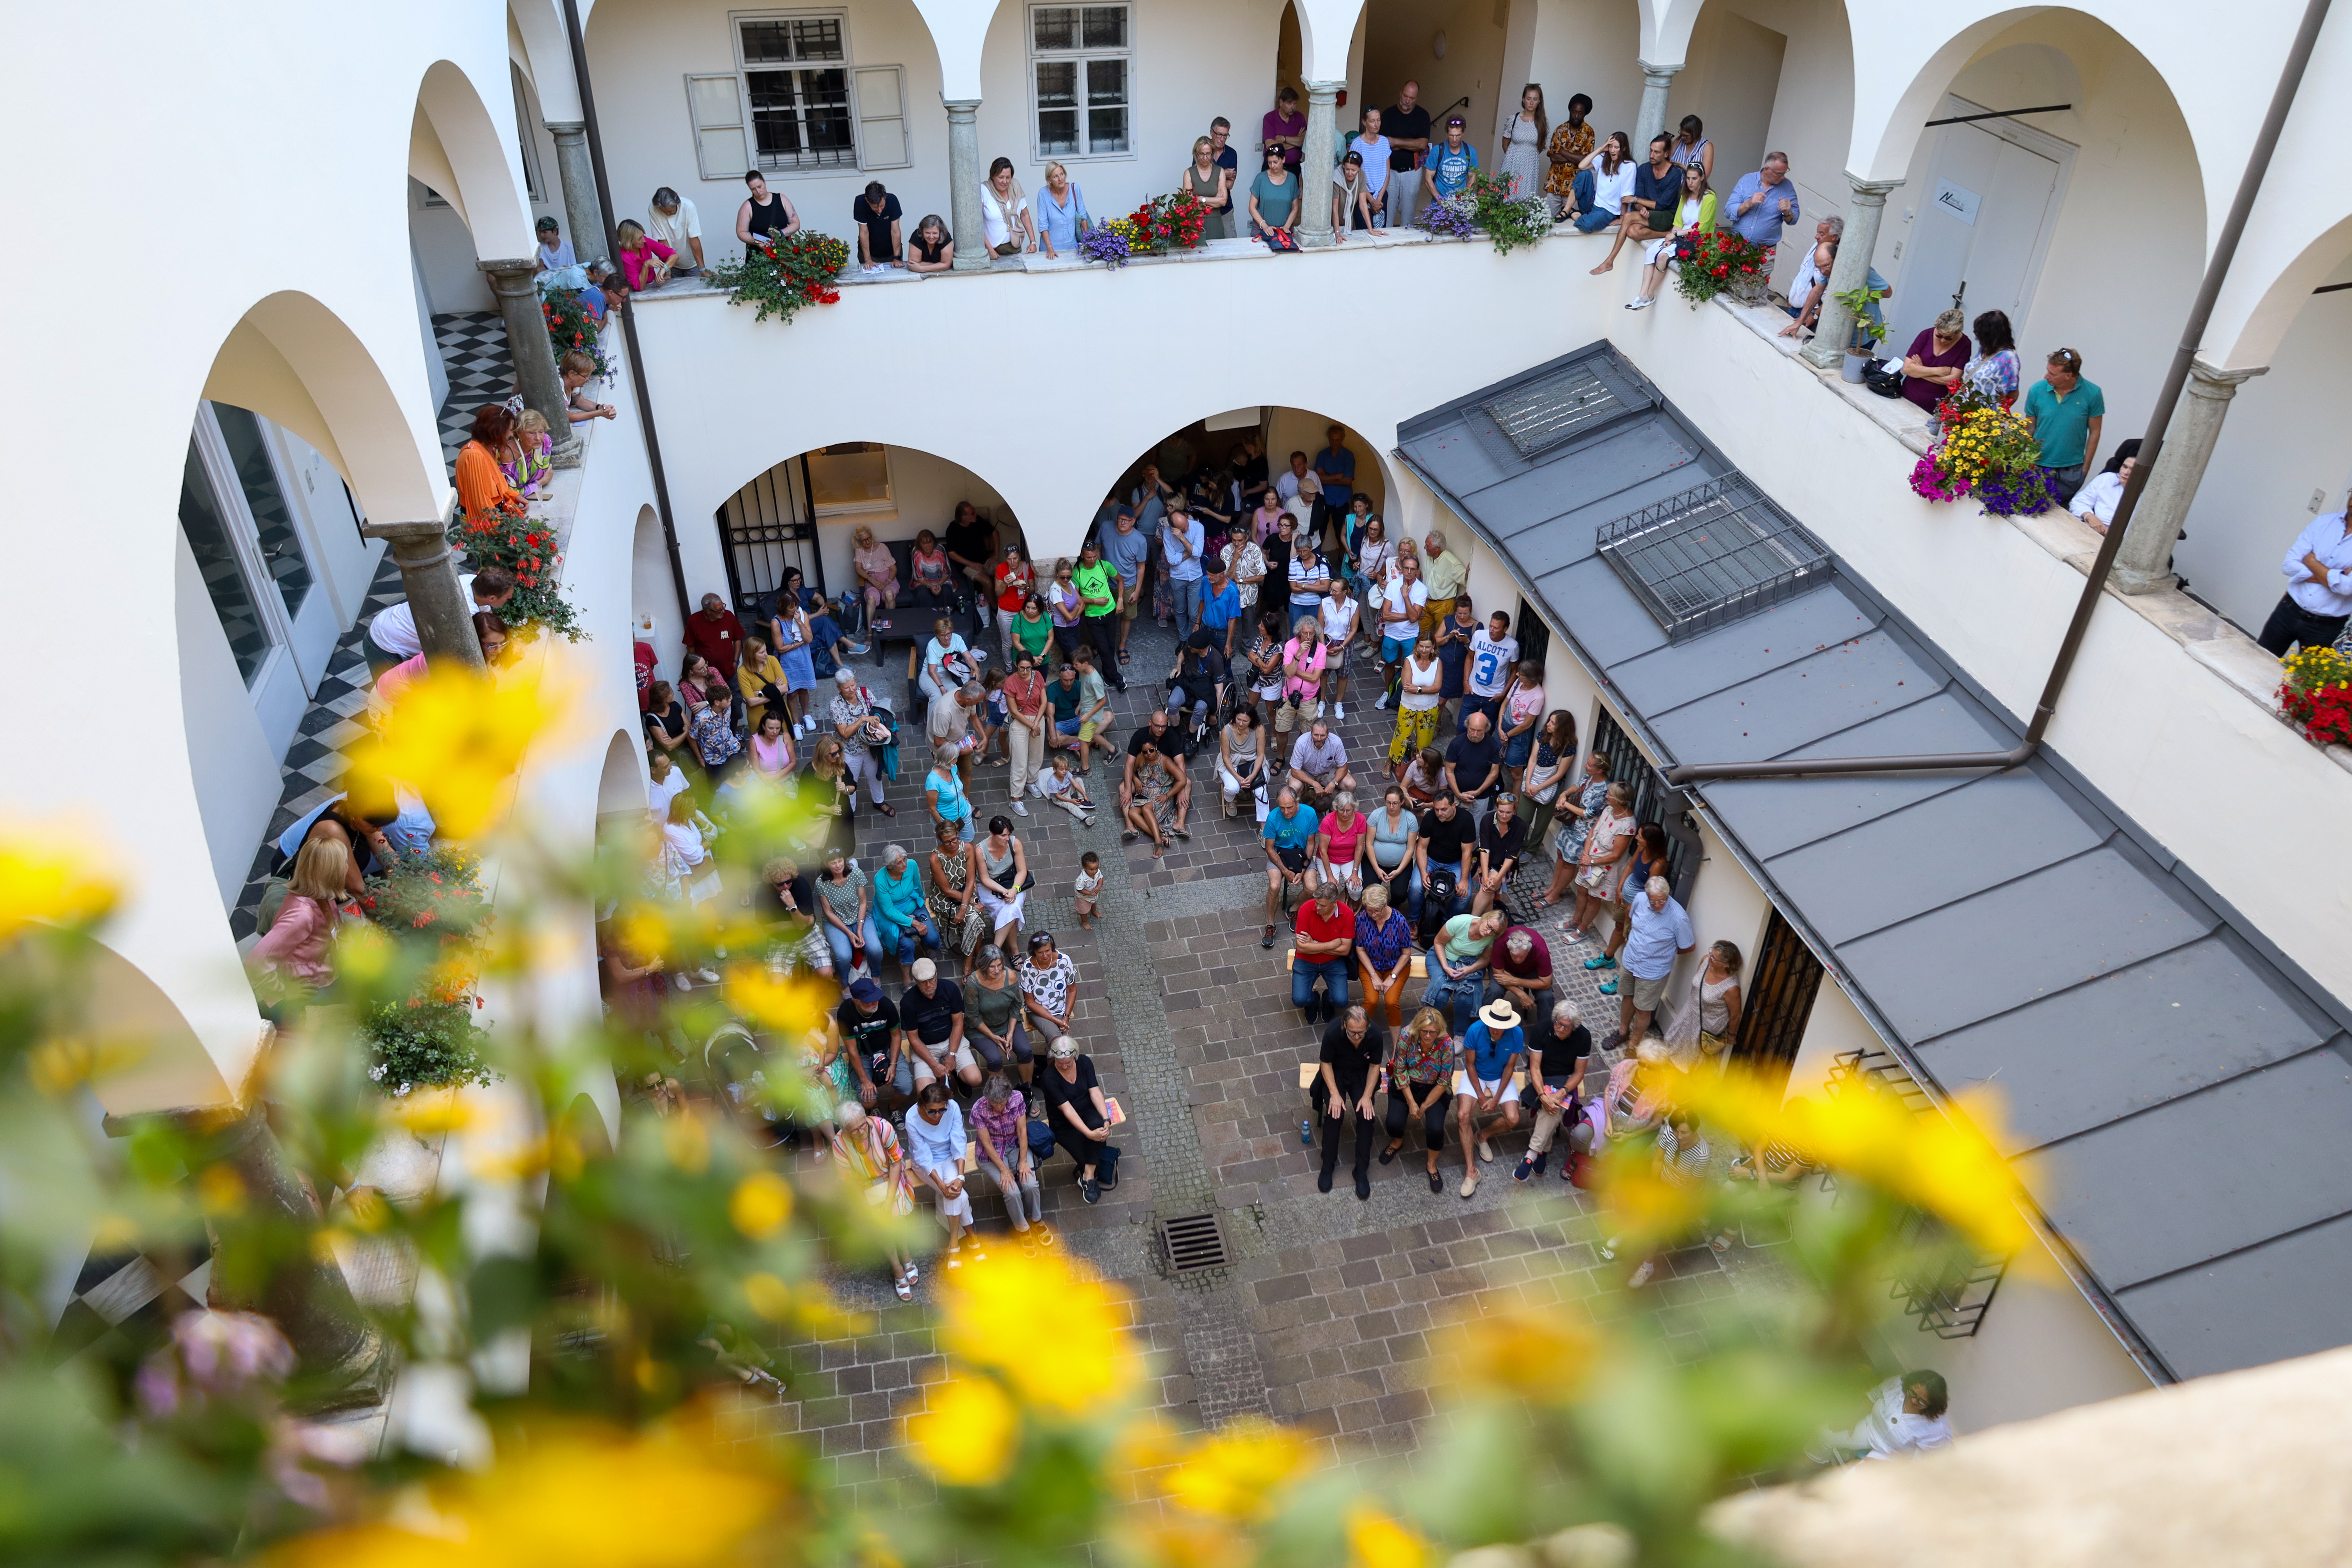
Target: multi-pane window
x=796 y=74
x=273 y=519
x=1081 y=79
x=210 y=539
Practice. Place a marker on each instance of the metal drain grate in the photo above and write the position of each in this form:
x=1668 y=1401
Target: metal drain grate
x=1534 y=418
x=1192 y=1243
x=1713 y=555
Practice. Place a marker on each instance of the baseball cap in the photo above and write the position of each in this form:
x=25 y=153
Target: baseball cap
x=865 y=991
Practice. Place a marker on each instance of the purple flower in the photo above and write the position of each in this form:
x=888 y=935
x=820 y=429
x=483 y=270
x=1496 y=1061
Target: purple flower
x=1107 y=245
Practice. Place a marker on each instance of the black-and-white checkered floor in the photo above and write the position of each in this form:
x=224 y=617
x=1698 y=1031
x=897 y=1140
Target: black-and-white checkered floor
x=474 y=352
x=131 y=1294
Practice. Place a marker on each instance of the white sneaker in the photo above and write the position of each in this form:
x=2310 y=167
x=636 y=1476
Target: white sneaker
x=1383 y=703
x=1339 y=710
x=1642 y=1275
x=1019 y=809
x=1638 y=305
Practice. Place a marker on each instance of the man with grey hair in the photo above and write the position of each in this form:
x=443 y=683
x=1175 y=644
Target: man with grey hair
x=1557 y=1050
x=861 y=729
x=671 y=218
x=1446 y=575
x=1318 y=765
x=1764 y=203
x=1658 y=932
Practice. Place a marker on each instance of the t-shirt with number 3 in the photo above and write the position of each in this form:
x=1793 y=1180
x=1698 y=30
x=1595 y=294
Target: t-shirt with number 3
x=1490 y=662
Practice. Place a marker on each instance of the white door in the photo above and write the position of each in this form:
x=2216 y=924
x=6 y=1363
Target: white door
x=1983 y=224
x=280 y=624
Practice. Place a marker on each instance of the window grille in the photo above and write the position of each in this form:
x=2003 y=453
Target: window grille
x=796 y=77
x=1713 y=555
x=1654 y=800
x=1081 y=79
x=1539 y=416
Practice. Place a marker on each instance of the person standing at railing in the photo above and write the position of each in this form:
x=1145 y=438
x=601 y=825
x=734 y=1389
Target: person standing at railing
x=1062 y=213
x=1005 y=220
x=1571 y=145
x=1274 y=196
x=1406 y=124
x=1373 y=152
x=765 y=216
x=1211 y=186
x=1284 y=128
x=2318 y=599
x=1524 y=136
x=671 y=218
x=1447 y=170
x=1763 y=204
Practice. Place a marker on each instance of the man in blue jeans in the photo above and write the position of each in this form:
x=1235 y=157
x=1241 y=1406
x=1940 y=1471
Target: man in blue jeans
x=1182 y=540
x=1326 y=943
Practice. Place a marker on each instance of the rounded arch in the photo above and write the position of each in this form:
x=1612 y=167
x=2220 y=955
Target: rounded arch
x=2279 y=299
x=456 y=147
x=621 y=787
x=1285 y=428
x=539 y=45
x=292 y=360
x=155 y=1055
x=1886 y=128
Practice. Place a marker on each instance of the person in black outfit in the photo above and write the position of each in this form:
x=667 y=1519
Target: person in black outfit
x=1198 y=678
x=932 y=1012
x=1558 y=1047
x=761 y=215
x=1502 y=839
x=1079 y=1118
x=871 y=1032
x=1447 y=837
x=972 y=546
x=1352 y=1048
x=878 y=216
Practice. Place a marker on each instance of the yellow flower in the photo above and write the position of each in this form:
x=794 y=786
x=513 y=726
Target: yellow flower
x=761 y=1203
x=432 y=1111
x=770 y=1297
x=1945 y=1165
x=995 y=1310
x=456 y=737
x=569 y=1500
x=791 y=1008
x=1376 y=1541
x=60 y=1066
x=1523 y=1352
x=48 y=877
x=968 y=1432
x=1642 y=1204
x=1233 y=1474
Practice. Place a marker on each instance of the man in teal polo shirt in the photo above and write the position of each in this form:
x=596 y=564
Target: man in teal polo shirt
x=1289 y=831
x=2065 y=412
x=1097 y=587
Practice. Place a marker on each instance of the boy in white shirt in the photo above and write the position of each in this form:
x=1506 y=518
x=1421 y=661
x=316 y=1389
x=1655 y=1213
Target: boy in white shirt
x=1061 y=787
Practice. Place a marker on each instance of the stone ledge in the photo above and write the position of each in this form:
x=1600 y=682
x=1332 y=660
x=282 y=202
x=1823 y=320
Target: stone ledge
x=2205 y=636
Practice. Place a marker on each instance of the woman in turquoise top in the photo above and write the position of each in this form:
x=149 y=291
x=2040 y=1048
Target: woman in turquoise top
x=1062 y=214
x=1274 y=196
x=944 y=792
x=898 y=914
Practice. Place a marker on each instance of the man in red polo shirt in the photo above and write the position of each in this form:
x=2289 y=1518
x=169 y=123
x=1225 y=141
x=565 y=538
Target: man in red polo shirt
x=1327 y=936
x=716 y=635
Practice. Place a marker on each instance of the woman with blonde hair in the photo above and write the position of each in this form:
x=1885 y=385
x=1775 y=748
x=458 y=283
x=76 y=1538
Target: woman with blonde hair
x=1210 y=184
x=877 y=571
x=294 y=962
x=760 y=678
x=870 y=1157
x=645 y=261
x=527 y=465
x=1062 y=213
x=1421 y=1080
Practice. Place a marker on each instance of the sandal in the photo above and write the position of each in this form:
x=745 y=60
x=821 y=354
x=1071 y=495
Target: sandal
x=906 y=1292
x=887 y=809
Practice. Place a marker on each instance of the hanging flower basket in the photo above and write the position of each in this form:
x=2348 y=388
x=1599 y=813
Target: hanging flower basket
x=780 y=277
x=1983 y=450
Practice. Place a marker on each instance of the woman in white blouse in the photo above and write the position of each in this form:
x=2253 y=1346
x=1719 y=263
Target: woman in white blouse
x=1005 y=211
x=2095 y=503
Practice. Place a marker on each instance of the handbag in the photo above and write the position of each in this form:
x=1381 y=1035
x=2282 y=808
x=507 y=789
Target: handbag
x=1885 y=383
x=1281 y=242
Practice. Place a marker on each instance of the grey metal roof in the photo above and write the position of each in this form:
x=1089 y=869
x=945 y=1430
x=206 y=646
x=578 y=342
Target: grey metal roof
x=2177 y=1091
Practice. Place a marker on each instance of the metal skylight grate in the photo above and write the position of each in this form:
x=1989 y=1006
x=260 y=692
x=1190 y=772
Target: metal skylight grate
x=1712 y=556
x=1534 y=418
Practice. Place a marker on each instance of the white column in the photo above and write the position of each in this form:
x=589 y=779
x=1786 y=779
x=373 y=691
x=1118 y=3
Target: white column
x=577 y=175
x=963 y=185
x=2144 y=565
x=1852 y=268
x=1652 y=119
x=1316 y=162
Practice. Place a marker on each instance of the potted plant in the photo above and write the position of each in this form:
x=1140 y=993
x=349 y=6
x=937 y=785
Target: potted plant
x=1865 y=325
x=2316 y=695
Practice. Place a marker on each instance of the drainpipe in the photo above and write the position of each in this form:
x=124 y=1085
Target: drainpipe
x=628 y=313
x=2200 y=314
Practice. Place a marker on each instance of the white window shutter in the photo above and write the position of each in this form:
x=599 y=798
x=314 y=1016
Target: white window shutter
x=714 y=104
x=881 y=98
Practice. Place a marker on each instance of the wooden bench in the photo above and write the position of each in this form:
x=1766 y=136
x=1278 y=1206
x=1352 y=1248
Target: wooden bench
x=1308 y=1070
x=1419 y=970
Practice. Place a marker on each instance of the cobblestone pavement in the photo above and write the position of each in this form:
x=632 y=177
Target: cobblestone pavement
x=1326 y=1312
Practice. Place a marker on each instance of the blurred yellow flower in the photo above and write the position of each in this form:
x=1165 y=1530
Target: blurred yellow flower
x=761 y=1203
x=687 y=1142
x=456 y=737
x=770 y=1297
x=572 y=1499
x=995 y=1311
x=1176 y=1541
x=1523 y=1352
x=48 y=877
x=793 y=1006
x=1377 y=1541
x=1641 y=1204
x=968 y=1433
x=1232 y=1474
x=1946 y=1164
x=60 y=1066
x=432 y=1111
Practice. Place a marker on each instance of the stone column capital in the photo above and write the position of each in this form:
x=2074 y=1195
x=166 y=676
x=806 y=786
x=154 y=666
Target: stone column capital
x=1329 y=90
x=1871 y=193
x=565 y=130
x=1657 y=75
x=512 y=275
x=2209 y=381
x=960 y=109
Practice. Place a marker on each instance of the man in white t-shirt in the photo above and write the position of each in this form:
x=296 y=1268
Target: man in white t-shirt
x=673 y=220
x=1376 y=149
x=394 y=630
x=1493 y=651
x=1400 y=599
